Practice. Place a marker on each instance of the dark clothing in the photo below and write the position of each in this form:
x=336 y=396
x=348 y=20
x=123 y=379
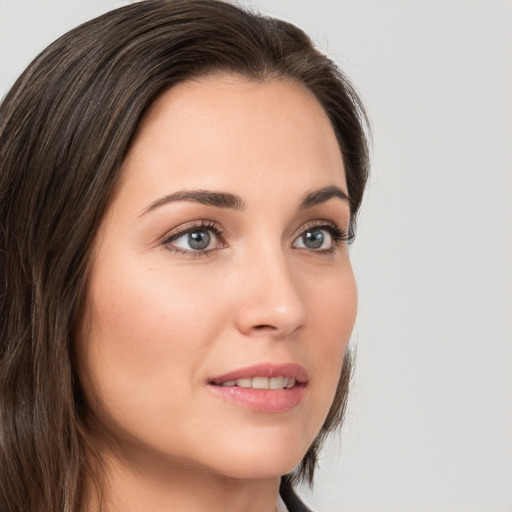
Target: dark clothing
x=290 y=499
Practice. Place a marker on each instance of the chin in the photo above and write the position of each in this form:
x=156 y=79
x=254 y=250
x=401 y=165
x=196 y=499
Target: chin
x=258 y=469
x=266 y=458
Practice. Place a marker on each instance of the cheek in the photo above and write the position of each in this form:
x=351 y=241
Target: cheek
x=151 y=311
x=149 y=330
x=333 y=309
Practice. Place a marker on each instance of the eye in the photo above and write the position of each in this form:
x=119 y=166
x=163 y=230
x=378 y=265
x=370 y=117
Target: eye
x=316 y=238
x=320 y=238
x=194 y=239
x=197 y=240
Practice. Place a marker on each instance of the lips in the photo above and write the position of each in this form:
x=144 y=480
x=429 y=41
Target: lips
x=265 y=387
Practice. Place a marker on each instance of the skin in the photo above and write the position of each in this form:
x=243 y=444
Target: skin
x=160 y=323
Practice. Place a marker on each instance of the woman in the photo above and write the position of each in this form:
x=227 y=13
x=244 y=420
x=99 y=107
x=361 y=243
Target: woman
x=178 y=184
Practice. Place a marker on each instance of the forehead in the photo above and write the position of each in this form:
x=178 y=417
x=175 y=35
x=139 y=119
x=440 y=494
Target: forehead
x=229 y=132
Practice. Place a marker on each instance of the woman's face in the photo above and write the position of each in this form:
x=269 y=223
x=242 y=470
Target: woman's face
x=221 y=268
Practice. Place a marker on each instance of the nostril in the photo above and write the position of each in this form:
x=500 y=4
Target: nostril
x=265 y=327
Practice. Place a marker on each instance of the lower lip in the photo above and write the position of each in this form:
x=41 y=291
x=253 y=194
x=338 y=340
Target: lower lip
x=262 y=400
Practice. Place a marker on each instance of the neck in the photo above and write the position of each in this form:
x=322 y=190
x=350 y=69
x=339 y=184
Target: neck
x=163 y=486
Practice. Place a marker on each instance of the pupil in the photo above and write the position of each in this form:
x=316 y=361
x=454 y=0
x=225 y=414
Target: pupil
x=313 y=239
x=199 y=239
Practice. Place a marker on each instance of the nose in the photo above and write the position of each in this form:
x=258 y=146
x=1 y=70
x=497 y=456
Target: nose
x=271 y=301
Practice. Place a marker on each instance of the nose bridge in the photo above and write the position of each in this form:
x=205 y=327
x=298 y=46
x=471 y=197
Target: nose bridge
x=272 y=299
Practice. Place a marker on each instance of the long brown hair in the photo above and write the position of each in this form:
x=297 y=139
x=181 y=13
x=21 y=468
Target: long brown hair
x=65 y=127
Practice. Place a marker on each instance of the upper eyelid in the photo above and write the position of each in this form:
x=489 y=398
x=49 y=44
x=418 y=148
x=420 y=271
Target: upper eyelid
x=183 y=229
x=208 y=224
x=319 y=223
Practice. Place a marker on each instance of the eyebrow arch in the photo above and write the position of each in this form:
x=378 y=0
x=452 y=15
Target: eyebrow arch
x=322 y=195
x=209 y=198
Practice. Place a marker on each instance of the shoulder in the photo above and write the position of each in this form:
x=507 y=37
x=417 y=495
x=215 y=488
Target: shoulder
x=290 y=498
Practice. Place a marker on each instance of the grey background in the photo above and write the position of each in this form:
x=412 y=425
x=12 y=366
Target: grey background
x=430 y=419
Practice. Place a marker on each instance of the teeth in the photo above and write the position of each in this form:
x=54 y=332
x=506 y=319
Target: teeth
x=275 y=383
x=244 y=383
x=262 y=383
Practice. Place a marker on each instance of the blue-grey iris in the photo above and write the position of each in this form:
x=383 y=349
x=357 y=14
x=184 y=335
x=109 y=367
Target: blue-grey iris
x=199 y=240
x=313 y=239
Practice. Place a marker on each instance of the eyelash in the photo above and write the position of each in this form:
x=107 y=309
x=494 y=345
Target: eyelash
x=339 y=236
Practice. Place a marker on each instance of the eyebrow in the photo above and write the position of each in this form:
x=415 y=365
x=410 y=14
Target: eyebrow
x=322 y=195
x=217 y=199
x=232 y=201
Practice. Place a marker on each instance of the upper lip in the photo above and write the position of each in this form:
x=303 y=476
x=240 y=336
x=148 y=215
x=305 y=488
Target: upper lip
x=289 y=370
